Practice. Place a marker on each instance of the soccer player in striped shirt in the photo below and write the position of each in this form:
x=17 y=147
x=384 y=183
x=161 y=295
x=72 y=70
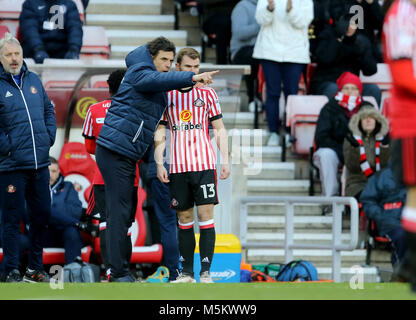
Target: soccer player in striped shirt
x=399 y=40
x=192 y=178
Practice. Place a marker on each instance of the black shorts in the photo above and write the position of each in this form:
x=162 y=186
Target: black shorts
x=403 y=157
x=189 y=188
x=96 y=203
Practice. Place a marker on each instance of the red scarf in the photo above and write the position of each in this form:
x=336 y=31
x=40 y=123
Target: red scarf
x=349 y=103
x=364 y=164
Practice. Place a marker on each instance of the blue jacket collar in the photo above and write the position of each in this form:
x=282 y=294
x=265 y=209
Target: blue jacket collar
x=5 y=75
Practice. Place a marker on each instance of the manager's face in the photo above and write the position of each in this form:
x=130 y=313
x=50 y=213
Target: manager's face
x=163 y=60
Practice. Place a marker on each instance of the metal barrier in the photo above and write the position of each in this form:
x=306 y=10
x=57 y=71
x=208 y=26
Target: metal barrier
x=289 y=244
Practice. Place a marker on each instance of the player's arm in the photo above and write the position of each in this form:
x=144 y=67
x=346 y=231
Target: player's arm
x=403 y=75
x=90 y=145
x=221 y=139
x=160 y=146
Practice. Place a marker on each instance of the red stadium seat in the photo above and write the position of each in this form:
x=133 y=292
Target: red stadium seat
x=302 y=113
x=77 y=166
x=3 y=30
x=57 y=255
x=94 y=43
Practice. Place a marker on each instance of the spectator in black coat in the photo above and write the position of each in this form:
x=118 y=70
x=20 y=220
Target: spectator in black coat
x=340 y=48
x=50 y=29
x=217 y=20
x=367 y=12
x=383 y=199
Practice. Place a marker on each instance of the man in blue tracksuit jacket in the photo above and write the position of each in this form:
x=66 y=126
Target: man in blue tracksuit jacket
x=27 y=131
x=50 y=29
x=128 y=132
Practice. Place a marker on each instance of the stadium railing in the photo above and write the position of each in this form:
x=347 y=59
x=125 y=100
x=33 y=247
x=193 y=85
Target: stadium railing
x=288 y=245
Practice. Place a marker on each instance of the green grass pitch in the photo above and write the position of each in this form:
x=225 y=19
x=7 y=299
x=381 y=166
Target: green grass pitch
x=217 y=291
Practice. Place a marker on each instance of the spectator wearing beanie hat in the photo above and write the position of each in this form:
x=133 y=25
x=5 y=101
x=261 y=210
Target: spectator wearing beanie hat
x=332 y=129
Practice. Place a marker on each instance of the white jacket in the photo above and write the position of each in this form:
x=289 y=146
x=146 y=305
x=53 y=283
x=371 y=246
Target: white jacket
x=283 y=36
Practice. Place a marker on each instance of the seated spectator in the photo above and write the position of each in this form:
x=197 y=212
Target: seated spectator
x=64 y=222
x=383 y=199
x=367 y=149
x=283 y=49
x=50 y=29
x=244 y=30
x=339 y=49
x=217 y=20
x=331 y=130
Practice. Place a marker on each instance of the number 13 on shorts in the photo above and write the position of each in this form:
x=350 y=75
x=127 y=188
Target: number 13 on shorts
x=208 y=190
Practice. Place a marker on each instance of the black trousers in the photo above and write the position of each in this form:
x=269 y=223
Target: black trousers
x=21 y=192
x=119 y=173
x=245 y=56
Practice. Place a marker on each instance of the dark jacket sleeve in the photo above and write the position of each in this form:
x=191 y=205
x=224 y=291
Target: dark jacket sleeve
x=74 y=26
x=148 y=80
x=323 y=133
x=351 y=157
x=368 y=63
x=49 y=114
x=5 y=145
x=29 y=25
x=66 y=206
x=327 y=48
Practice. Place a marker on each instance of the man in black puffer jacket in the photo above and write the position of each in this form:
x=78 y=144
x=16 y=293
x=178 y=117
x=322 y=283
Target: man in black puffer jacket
x=383 y=199
x=27 y=131
x=50 y=29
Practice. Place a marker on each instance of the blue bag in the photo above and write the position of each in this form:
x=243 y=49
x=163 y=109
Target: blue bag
x=298 y=270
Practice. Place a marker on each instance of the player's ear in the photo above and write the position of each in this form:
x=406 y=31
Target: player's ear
x=177 y=67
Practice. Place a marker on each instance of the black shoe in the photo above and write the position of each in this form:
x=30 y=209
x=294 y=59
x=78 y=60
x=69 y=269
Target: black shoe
x=14 y=276
x=36 y=276
x=89 y=228
x=126 y=278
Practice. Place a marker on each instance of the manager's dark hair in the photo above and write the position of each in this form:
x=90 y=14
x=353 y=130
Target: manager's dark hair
x=53 y=160
x=114 y=80
x=160 y=43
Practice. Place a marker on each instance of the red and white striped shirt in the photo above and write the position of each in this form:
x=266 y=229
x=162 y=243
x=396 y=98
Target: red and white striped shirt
x=187 y=115
x=93 y=123
x=399 y=44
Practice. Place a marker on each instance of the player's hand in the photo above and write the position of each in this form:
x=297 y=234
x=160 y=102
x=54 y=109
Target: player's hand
x=162 y=174
x=205 y=78
x=225 y=171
